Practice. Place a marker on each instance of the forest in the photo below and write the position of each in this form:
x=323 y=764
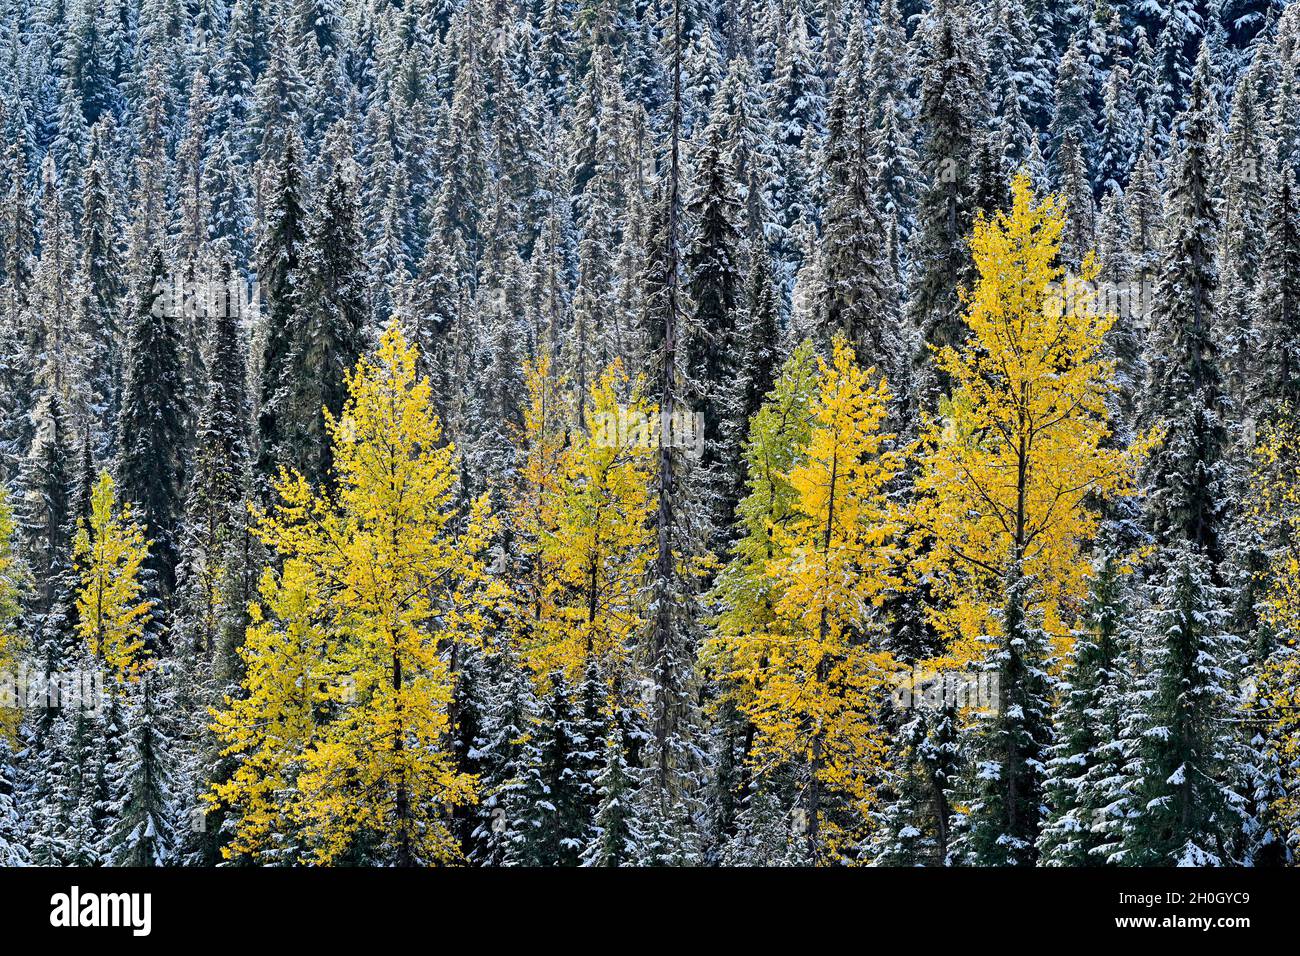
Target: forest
x=733 y=433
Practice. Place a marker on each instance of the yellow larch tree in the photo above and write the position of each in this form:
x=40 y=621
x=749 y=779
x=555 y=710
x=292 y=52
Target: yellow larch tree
x=810 y=675
x=599 y=543
x=745 y=593
x=532 y=505
x=109 y=550
x=1012 y=469
x=342 y=735
x=1272 y=508
x=13 y=581
x=271 y=726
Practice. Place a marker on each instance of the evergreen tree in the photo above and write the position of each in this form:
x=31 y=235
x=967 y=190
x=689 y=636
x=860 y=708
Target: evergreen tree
x=104 y=294
x=1011 y=749
x=1187 y=472
x=279 y=256
x=552 y=811
x=327 y=335
x=1074 y=113
x=950 y=113
x=1079 y=237
x=615 y=833
x=502 y=753
x=1188 y=808
x=856 y=291
x=916 y=826
x=712 y=335
x=46 y=509
x=1242 y=239
x=1089 y=755
x=1275 y=383
x=13 y=838
x=141 y=780
x=153 y=421
x=797 y=103
x=217 y=566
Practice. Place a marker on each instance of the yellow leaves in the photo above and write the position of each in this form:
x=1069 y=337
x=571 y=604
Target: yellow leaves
x=342 y=733
x=1272 y=508
x=1278 y=688
x=111 y=610
x=13 y=577
x=1013 y=468
x=584 y=509
x=810 y=675
x=778 y=433
x=533 y=508
x=838 y=549
x=271 y=726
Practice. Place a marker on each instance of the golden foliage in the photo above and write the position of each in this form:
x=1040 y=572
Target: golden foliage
x=112 y=610
x=1272 y=507
x=13 y=579
x=1014 y=467
x=583 y=509
x=341 y=734
x=807 y=669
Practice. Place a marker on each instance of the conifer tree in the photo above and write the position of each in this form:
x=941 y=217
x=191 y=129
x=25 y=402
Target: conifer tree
x=1074 y=97
x=1079 y=237
x=153 y=421
x=1144 y=208
x=713 y=290
x=1120 y=134
x=1189 y=810
x=857 y=294
x=1025 y=450
x=950 y=112
x=13 y=651
x=345 y=644
x=214 y=551
x=112 y=611
x=1276 y=380
x=810 y=676
x=1187 y=471
x=916 y=825
x=1242 y=238
x=57 y=363
x=588 y=535
x=329 y=325
x=217 y=572
x=46 y=510
x=1089 y=753
x=102 y=270
x=279 y=256
x=615 y=834
x=1006 y=810
x=144 y=810
x=502 y=752
x=13 y=850
x=551 y=812
x=669 y=646
x=798 y=108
